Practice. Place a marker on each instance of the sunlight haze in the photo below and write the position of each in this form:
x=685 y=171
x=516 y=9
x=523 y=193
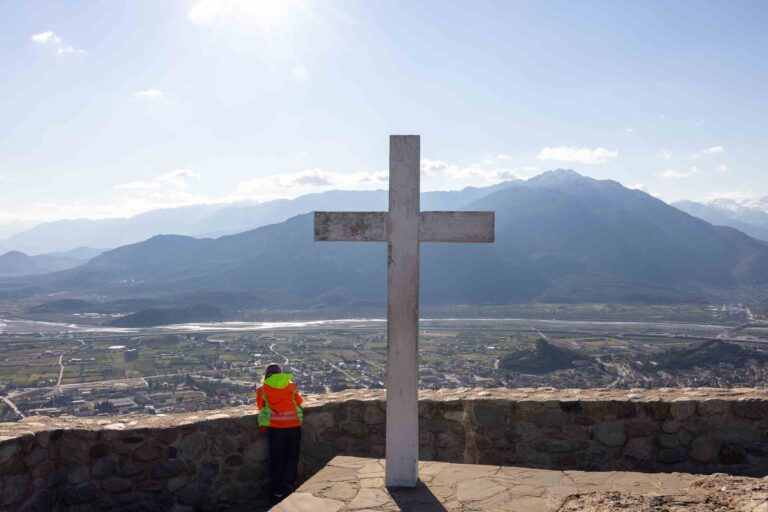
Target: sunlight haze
x=112 y=109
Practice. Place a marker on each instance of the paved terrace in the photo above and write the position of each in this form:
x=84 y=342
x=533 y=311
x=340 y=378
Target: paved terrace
x=354 y=483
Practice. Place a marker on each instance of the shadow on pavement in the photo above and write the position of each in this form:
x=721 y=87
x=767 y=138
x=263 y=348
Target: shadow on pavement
x=416 y=499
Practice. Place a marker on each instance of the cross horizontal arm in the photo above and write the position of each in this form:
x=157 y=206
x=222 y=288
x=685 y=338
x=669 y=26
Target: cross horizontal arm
x=457 y=227
x=350 y=226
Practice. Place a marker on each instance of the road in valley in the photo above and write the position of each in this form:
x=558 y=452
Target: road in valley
x=343 y=371
x=61 y=374
x=278 y=354
x=621 y=372
x=12 y=406
x=375 y=364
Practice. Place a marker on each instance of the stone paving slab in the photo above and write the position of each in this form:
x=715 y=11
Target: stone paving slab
x=353 y=483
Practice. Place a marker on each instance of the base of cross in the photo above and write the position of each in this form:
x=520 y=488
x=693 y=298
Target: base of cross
x=352 y=483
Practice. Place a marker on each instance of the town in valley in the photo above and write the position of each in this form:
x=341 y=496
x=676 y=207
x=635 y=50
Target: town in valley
x=89 y=372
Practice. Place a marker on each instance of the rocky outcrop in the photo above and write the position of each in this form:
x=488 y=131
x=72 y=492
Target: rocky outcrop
x=217 y=459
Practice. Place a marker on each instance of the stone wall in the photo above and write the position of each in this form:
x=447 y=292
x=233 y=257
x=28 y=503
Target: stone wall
x=219 y=459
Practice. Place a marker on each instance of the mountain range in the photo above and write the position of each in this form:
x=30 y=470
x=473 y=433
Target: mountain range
x=560 y=237
x=749 y=216
x=210 y=220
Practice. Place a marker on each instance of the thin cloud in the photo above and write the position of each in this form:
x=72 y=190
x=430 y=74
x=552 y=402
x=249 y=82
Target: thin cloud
x=673 y=174
x=174 y=189
x=641 y=187
x=290 y=185
x=733 y=195
x=62 y=50
x=722 y=168
x=456 y=176
x=495 y=159
x=714 y=149
x=149 y=93
x=50 y=38
x=44 y=37
x=314 y=180
x=664 y=154
x=432 y=167
x=577 y=155
x=180 y=188
x=179 y=180
x=168 y=190
x=437 y=175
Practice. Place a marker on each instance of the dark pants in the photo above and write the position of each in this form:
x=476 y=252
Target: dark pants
x=284 y=446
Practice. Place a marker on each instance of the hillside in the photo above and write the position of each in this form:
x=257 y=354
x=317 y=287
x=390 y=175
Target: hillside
x=544 y=357
x=708 y=354
x=559 y=236
x=16 y=263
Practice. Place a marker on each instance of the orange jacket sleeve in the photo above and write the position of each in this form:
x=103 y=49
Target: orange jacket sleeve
x=259 y=399
x=296 y=394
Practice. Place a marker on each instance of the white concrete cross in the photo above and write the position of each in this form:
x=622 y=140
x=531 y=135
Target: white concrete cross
x=403 y=227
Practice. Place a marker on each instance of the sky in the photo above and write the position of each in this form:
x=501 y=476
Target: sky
x=112 y=108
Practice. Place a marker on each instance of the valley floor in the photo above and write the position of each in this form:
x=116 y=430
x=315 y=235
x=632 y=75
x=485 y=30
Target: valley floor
x=55 y=368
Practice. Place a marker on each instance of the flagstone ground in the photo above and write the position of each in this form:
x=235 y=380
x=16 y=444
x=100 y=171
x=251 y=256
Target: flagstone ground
x=355 y=483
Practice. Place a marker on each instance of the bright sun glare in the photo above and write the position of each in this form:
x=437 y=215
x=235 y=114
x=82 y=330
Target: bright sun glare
x=264 y=16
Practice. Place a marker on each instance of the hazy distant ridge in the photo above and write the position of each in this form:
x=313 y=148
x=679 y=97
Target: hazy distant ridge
x=560 y=237
x=212 y=220
x=16 y=263
x=749 y=216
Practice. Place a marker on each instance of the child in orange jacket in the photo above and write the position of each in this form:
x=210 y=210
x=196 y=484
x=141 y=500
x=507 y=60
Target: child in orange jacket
x=280 y=413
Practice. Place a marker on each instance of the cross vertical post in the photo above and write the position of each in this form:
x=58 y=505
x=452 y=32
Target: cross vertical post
x=403 y=227
x=402 y=441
